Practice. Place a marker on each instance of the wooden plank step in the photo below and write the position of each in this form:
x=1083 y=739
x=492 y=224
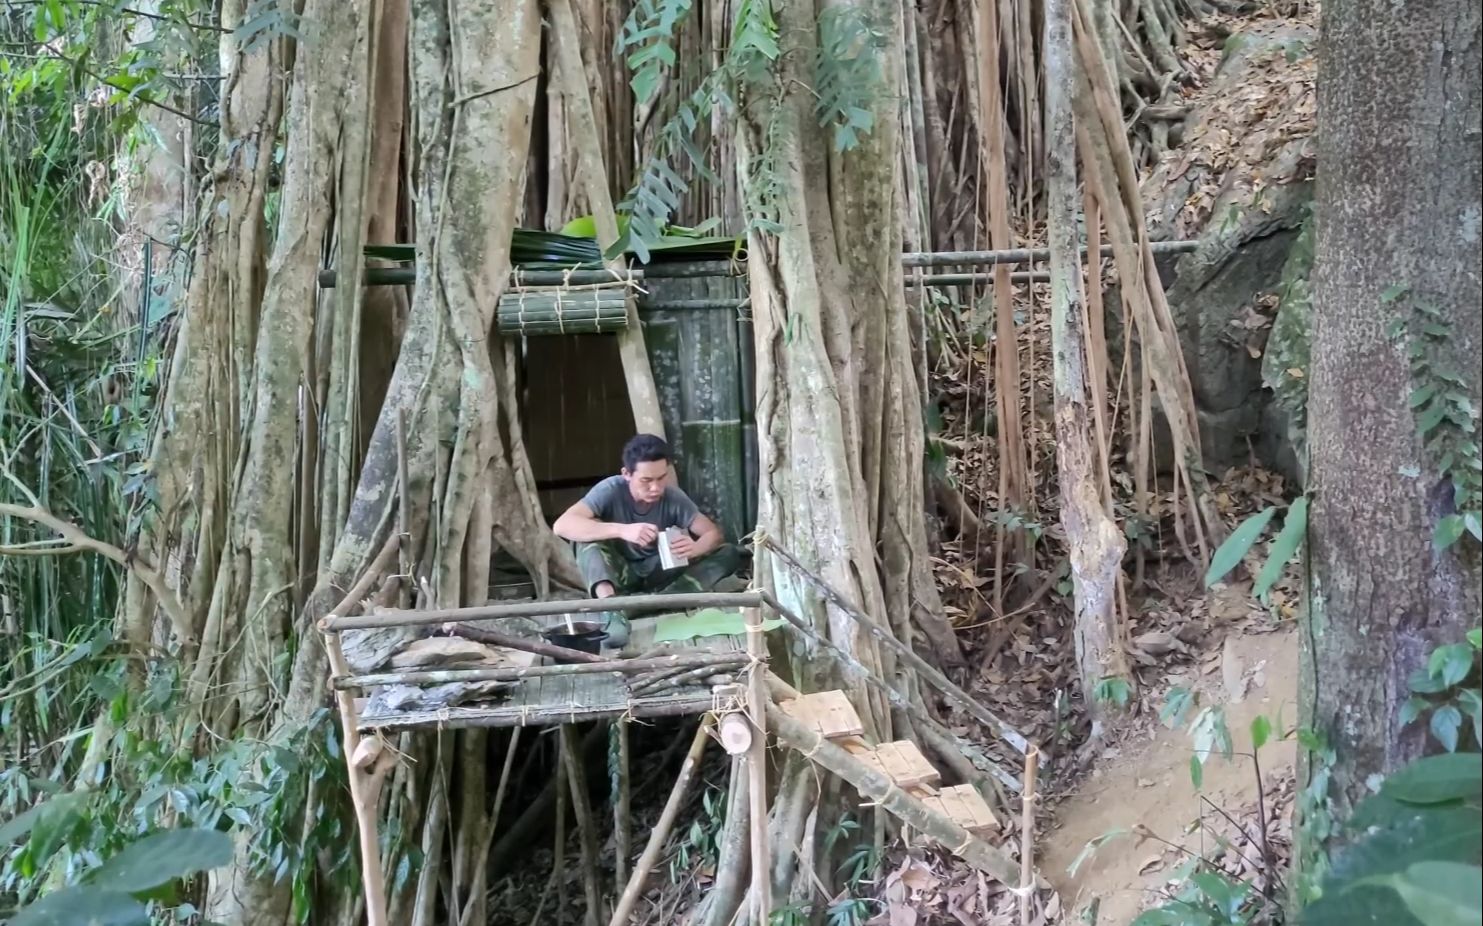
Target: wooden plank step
x=966 y=807
x=827 y=713
x=902 y=762
x=854 y=745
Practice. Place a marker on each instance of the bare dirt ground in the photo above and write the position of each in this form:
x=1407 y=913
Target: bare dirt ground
x=1142 y=783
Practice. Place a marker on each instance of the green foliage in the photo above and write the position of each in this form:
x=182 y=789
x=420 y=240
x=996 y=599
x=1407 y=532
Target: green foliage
x=650 y=31
x=1289 y=539
x=266 y=20
x=1228 y=556
x=1427 y=813
x=1413 y=852
x=1446 y=418
x=260 y=787
x=112 y=893
x=1116 y=691
x=847 y=73
x=701 y=843
x=848 y=79
x=1446 y=691
x=1206 y=897
x=1284 y=546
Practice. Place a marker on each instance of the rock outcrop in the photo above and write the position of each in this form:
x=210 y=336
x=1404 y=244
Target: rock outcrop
x=1242 y=183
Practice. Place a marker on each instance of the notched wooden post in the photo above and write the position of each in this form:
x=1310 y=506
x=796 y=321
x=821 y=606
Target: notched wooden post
x=757 y=701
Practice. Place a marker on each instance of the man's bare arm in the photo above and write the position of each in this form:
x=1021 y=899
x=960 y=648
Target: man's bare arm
x=580 y=525
x=708 y=535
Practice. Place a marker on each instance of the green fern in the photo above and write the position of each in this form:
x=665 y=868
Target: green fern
x=1446 y=418
x=847 y=74
x=650 y=28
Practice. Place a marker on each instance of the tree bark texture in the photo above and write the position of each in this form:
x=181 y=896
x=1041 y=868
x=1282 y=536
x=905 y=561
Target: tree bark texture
x=1096 y=543
x=1398 y=210
x=252 y=605
x=839 y=406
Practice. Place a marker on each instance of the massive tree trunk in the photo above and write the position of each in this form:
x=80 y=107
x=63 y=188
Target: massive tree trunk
x=1398 y=212
x=839 y=407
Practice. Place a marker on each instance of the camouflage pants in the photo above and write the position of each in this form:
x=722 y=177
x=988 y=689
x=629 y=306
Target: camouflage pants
x=604 y=562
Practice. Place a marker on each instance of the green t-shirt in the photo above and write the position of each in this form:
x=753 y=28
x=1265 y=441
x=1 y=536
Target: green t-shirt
x=611 y=501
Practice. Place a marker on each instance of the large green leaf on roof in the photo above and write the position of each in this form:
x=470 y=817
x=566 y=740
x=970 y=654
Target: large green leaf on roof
x=576 y=245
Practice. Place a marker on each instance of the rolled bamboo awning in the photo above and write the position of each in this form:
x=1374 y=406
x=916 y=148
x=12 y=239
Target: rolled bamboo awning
x=540 y=310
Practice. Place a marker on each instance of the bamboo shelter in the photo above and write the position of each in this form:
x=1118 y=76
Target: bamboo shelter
x=703 y=654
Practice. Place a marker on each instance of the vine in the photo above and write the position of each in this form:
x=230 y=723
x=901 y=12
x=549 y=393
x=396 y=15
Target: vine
x=847 y=73
x=650 y=28
x=1445 y=416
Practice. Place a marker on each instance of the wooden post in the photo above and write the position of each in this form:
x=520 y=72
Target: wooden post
x=571 y=752
x=622 y=843
x=571 y=77
x=660 y=834
x=365 y=791
x=367 y=768
x=1027 y=839
x=757 y=701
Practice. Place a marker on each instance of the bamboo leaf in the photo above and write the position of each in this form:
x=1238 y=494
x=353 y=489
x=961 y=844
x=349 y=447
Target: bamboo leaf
x=1237 y=545
x=1289 y=539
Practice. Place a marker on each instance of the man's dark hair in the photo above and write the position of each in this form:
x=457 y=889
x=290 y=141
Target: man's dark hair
x=644 y=448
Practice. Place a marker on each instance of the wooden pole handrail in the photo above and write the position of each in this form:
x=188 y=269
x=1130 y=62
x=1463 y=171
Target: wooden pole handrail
x=514 y=674
x=625 y=603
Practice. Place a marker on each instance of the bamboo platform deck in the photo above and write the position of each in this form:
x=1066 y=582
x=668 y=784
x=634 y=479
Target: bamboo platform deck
x=546 y=700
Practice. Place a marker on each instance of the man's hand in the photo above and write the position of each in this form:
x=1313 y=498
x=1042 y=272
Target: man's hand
x=683 y=546
x=640 y=535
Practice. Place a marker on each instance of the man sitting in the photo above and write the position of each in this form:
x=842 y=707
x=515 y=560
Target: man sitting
x=616 y=529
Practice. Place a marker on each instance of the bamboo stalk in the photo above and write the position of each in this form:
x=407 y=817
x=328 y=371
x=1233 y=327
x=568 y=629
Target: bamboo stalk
x=1027 y=838
x=689 y=676
x=653 y=679
x=492 y=823
x=973 y=279
x=524 y=644
x=677 y=704
x=404 y=276
x=660 y=834
x=622 y=805
x=876 y=787
x=404 y=508
x=364 y=794
x=572 y=328
x=626 y=603
x=558 y=852
x=1022 y=255
x=932 y=675
x=615 y=666
x=538 y=313
x=586 y=825
x=539 y=316
x=757 y=704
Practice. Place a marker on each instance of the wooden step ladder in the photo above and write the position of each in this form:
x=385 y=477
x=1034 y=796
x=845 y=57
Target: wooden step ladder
x=826 y=728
